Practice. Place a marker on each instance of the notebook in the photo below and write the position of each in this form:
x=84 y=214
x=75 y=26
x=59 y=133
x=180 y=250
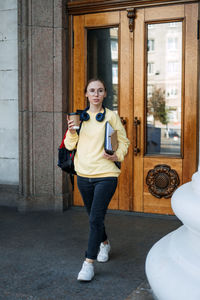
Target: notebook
x=111 y=143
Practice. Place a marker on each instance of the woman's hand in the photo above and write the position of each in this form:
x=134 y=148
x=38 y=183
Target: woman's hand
x=71 y=126
x=112 y=157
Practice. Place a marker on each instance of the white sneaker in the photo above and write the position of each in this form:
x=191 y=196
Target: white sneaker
x=87 y=272
x=103 y=255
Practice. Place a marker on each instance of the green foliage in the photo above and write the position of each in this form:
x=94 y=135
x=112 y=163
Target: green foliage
x=156 y=106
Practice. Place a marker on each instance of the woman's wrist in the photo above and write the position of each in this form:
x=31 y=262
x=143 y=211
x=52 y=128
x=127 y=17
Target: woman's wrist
x=72 y=132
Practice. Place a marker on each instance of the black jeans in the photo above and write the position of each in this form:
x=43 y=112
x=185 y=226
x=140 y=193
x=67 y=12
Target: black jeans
x=96 y=194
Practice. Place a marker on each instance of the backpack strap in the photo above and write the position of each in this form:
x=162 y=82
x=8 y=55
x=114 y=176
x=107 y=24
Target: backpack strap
x=72 y=180
x=62 y=145
x=71 y=175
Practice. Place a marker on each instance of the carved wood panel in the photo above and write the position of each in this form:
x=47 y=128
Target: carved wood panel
x=162 y=181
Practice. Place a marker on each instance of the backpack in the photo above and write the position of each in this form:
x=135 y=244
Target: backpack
x=66 y=160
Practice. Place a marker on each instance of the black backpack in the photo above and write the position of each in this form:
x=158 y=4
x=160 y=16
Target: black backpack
x=66 y=160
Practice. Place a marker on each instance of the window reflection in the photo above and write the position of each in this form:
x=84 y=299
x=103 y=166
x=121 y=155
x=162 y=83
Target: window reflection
x=151 y=43
x=164 y=74
x=102 y=61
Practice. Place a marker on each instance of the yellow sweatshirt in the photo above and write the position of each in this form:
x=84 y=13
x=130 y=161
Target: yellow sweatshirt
x=89 y=160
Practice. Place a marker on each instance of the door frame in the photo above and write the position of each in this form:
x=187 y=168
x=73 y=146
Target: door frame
x=75 y=9
x=185 y=165
x=80 y=7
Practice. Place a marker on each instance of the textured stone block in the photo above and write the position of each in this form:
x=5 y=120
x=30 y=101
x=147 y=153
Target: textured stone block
x=8 y=25
x=9 y=114
x=42 y=13
x=9 y=170
x=58 y=93
x=60 y=71
x=9 y=143
x=42 y=60
x=26 y=182
x=25 y=12
x=8 y=4
x=25 y=69
x=9 y=84
x=8 y=55
x=60 y=16
x=43 y=153
x=42 y=100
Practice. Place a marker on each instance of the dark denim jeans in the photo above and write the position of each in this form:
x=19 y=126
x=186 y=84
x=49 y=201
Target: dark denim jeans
x=97 y=194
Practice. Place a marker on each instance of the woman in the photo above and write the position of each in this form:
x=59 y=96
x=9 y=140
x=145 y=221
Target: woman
x=96 y=171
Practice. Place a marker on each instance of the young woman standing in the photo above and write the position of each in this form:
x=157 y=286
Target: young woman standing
x=97 y=173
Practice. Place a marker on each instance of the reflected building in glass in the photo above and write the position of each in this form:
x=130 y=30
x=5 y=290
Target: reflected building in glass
x=102 y=61
x=164 y=88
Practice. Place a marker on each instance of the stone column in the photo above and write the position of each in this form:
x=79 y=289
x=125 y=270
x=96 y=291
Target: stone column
x=43 y=82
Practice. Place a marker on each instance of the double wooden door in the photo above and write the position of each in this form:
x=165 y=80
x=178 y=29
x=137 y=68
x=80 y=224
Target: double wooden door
x=148 y=59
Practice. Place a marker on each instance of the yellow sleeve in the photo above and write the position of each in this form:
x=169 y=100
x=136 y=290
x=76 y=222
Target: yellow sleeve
x=123 y=141
x=71 y=140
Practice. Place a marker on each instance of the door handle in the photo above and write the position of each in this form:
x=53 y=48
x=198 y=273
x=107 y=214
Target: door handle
x=123 y=120
x=136 y=124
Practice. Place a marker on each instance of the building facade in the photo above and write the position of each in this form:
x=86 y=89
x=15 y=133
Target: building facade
x=9 y=130
x=148 y=54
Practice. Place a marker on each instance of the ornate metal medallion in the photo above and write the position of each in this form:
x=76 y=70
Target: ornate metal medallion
x=162 y=181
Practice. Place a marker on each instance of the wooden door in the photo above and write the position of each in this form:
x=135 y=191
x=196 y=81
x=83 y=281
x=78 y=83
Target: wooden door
x=165 y=102
x=101 y=34
x=155 y=93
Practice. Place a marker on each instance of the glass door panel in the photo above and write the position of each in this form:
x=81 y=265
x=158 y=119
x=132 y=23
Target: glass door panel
x=164 y=88
x=102 y=61
x=165 y=104
x=96 y=53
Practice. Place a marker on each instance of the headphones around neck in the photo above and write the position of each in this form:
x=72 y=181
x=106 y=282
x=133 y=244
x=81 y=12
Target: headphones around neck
x=99 y=117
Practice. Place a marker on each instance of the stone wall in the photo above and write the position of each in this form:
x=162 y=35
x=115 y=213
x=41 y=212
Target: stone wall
x=9 y=161
x=43 y=91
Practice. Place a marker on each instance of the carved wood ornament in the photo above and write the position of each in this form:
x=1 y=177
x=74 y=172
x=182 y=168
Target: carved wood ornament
x=131 y=15
x=162 y=181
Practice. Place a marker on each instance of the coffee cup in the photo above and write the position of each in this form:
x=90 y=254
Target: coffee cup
x=75 y=116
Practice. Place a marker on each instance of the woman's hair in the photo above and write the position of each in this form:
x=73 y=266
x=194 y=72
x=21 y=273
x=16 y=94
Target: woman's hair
x=94 y=79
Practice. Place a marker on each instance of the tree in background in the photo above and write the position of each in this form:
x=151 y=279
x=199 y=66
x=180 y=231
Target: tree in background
x=156 y=106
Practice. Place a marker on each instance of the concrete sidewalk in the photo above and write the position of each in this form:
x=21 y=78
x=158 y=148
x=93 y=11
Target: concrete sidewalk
x=41 y=254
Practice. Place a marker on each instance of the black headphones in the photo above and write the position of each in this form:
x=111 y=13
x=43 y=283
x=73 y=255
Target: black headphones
x=99 y=117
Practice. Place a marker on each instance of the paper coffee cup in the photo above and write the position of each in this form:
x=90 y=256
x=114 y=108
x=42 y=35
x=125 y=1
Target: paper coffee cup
x=76 y=117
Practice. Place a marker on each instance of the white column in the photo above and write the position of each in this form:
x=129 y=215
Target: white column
x=173 y=263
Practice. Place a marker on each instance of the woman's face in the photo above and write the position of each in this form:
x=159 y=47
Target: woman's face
x=95 y=93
